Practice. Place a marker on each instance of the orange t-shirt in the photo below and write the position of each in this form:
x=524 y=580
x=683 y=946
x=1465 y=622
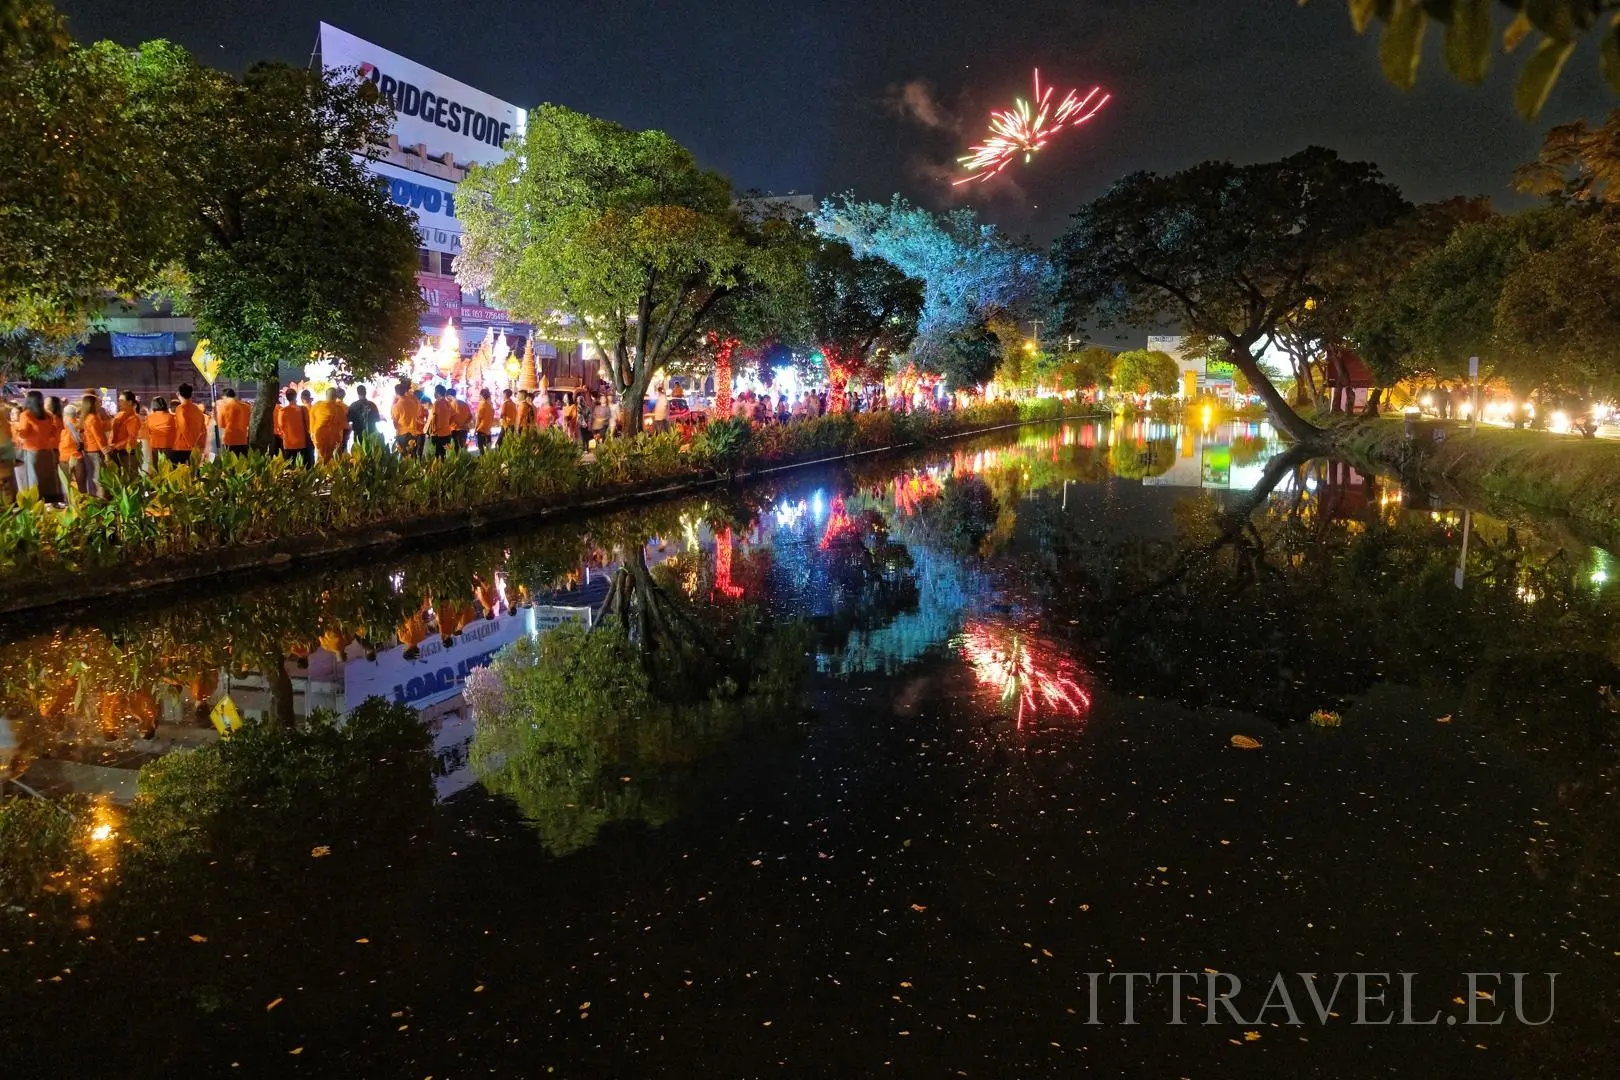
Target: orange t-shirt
x=409 y=415
x=508 y=413
x=160 y=430
x=292 y=424
x=126 y=430
x=443 y=417
x=464 y=415
x=232 y=416
x=485 y=417
x=94 y=429
x=190 y=426
x=67 y=446
x=30 y=433
x=329 y=420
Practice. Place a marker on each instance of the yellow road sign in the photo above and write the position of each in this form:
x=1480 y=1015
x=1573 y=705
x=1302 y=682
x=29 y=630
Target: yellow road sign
x=225 y=716
x=206 y=363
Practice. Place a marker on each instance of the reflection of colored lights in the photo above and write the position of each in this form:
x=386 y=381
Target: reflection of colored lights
x=722 y=566
x=788 y=515
x=839 y=523
x=1021 y=672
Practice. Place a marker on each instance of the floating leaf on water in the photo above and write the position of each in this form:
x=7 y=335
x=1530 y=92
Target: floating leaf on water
x=1243 y=742
x=1326 y=718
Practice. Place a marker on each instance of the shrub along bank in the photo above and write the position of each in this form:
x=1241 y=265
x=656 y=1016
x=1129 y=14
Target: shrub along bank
x=1576 y=477
x=237 y=512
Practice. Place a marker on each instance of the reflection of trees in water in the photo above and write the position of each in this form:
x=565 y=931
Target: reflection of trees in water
x=586 y=727
x=1134 y=459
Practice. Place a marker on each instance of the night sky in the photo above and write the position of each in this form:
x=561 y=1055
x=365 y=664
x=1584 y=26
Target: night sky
x=828 y=97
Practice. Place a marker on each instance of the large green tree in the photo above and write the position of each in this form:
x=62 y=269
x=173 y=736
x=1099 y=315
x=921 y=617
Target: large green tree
x=970 y=357
x=1470 y=30
x=971 y=272
x=619 y=235
x=297 y=250
x=1228 y=251
x=862 y=310
x=83 y=207
x=1145 y=371
x=1558 y=315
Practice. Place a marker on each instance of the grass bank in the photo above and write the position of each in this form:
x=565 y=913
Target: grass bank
x=239 y=514
x=1574 y=477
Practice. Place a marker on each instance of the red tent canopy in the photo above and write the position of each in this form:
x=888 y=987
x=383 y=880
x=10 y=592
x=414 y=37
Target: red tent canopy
x=1355 y=373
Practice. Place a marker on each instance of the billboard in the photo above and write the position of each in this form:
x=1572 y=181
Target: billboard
x=430 y=109
x=431 y=200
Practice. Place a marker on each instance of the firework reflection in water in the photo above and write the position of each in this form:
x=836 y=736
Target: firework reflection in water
x=1022 y=671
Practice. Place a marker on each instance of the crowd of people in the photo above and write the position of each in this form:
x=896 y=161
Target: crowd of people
x=52 y=446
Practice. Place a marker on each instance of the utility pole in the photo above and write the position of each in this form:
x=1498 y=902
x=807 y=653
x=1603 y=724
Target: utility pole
x=1036 y=324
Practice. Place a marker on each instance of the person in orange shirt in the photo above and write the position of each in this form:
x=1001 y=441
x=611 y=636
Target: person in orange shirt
x=461 y=422
x=231 y=416
x=125 y=441
x=292 y=424
x=483 y=420
x=524 y=421
x=508 y=412
x=453 y=619
x=328 y=422
x=545 y=414
x=413 y=631
x=158 y=431
x=93 y=427
x=409 y=419
x=442 y=421
x=37 y=439
x=190 y=429
x=70 y=450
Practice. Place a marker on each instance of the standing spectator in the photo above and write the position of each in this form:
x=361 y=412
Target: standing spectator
x=509 y=411
x=190 y=429
x=292 y=425
x=541 y=416
x=570 y=419
x=461 y=421
x=38 y=438
x=71 y=449
x=410 y=420
x=93 y=425
x=660 y=415
x=601 y=417
x=483 y=420
x=328 y=424
x=158 y=430
x=125 y=443
x=363 y=418
x=231 y=417
x=9 y=460
x=441 y=421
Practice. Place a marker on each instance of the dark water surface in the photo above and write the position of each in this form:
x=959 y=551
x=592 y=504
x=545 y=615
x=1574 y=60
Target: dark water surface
x=986 y=760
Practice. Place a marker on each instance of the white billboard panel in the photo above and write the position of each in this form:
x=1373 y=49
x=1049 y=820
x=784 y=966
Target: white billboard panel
x=434 y=110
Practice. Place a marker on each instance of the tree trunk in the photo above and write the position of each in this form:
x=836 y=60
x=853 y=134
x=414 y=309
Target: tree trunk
x=634 y=399
x=279 y=683
x=1287 y=420
x=261 y=428
x=1374 y=396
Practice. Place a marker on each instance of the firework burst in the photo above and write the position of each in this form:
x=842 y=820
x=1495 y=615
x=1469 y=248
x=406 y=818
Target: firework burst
x=1027 y=127
x=1022 y=672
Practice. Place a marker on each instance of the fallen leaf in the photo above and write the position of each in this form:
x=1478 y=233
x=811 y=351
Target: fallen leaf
x=919 y=907
x=272 y=1005
x=1446 y=719
x=479 y=989
x=362 y=941
x=198 y=938
x=318 y=850
x=300 y=1050
x=1251 y=1036
x=1243 y=742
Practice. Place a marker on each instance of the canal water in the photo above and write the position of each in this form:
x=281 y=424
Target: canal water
x=1085 y=749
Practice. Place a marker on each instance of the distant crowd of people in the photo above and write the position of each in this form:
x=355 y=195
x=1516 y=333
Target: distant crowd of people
x=53 y=446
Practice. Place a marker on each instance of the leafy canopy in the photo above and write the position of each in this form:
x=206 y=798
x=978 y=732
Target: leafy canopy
x=969 y=270
x=860 y=308
x=1227 y=251
x=620 y=235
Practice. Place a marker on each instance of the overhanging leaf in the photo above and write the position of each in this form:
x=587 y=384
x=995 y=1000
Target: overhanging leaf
x=1539 y=75
x=1361 y=14
x=1468 y=40
x=1516 y=31
x=1401 y=47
